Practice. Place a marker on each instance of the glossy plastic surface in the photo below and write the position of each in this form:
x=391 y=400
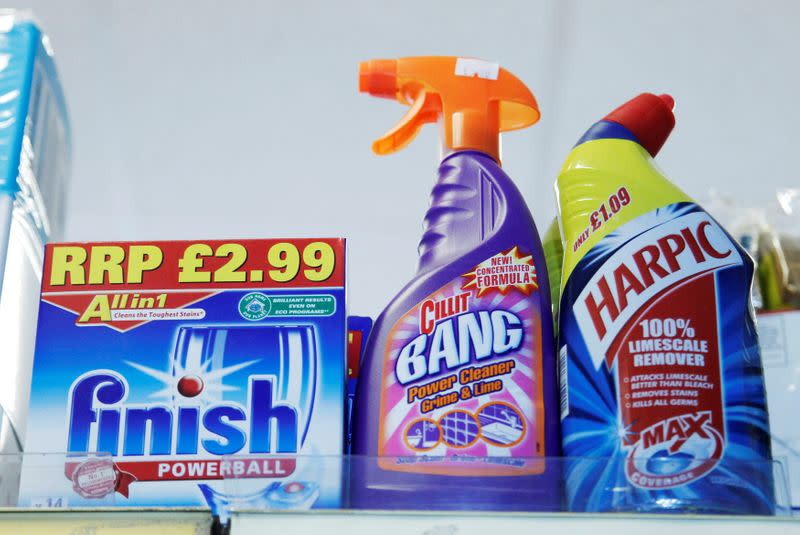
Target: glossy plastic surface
x=492 y=494
x=475 y=100
x=640 y=254
x=34 y=170
x=476 y=212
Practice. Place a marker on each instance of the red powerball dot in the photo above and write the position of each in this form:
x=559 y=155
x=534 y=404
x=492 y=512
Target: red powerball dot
x=291 y=488
x=190 y=386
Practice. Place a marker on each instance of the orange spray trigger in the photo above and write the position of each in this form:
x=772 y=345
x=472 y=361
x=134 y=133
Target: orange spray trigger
x=475 y=100
x=425 y=109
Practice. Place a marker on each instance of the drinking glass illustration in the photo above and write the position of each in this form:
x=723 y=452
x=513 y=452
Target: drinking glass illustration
x=212 y=363
x=293 y=495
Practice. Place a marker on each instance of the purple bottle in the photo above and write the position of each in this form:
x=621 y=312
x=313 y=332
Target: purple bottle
x=456 y=406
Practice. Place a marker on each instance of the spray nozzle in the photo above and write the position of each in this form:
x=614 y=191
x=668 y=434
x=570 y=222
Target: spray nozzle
x=475 y=100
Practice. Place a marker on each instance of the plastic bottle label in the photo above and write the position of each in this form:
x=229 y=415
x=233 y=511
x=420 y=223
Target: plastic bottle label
x=462 y=378
x=655 y=351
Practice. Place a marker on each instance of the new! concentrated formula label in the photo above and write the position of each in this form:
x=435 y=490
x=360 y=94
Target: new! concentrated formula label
x=462 y=376
x=655 y=353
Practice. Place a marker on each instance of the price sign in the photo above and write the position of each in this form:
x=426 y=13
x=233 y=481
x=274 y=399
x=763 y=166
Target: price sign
x=197 y=264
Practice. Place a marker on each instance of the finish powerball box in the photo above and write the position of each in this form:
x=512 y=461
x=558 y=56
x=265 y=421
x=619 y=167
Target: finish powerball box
x=190 y=363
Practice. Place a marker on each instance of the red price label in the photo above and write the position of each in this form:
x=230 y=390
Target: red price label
x=187 y=264
x=607 y=210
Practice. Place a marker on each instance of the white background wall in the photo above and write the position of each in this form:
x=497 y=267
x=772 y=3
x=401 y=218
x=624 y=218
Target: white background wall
x=193 y=120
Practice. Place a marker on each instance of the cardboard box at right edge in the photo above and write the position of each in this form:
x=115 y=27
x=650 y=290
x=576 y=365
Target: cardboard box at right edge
x=779 y=335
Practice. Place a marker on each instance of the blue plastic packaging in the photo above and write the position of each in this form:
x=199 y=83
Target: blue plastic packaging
x=660 y=366
x=34 y=169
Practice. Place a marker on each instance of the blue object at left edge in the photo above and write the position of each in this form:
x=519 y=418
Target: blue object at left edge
x=21 y=45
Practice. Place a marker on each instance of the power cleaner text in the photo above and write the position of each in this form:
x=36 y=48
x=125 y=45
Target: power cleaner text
x=454 y=341
x=97 y=399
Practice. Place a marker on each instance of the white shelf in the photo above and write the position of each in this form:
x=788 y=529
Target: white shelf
x=463 y=523
x=133 y=521
x=129 y=521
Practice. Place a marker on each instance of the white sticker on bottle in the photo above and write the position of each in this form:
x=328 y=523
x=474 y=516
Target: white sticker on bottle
x=470 y=67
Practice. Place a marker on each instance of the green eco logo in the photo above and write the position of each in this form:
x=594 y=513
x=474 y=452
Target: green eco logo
x=254 y=306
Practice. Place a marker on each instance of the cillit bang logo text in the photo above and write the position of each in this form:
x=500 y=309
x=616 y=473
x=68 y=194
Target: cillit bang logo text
x=451 y=336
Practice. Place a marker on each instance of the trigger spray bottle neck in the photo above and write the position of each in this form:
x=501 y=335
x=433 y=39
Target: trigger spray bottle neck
x=471 y=134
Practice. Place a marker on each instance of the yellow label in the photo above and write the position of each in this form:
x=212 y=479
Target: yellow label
x=105 y=263
x=604 y=184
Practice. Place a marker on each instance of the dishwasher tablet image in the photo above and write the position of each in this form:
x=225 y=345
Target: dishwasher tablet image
x=206 y=372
